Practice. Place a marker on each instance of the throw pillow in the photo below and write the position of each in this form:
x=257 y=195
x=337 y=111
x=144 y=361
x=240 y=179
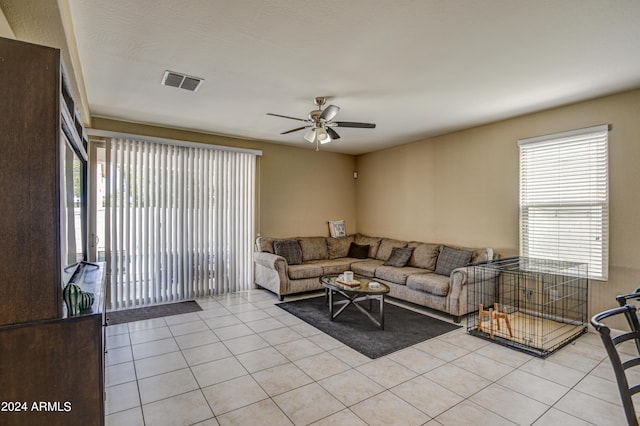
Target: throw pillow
x=399 y=257
x=290 y=250
x=358 y=251
x=372 y=242
x=336 y=228
x=450 y=259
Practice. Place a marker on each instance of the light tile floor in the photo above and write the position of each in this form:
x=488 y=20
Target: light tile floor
x=244 y=361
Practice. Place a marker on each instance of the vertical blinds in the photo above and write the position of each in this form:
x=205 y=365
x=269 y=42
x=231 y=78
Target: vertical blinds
x=564 y=198
x=179 y=222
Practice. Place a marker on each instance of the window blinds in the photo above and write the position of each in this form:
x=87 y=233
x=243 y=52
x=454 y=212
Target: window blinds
x=564 y=198
x=179 y=222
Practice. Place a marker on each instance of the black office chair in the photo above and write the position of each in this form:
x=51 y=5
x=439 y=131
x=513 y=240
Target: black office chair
x=632 y=319
x=622 y=299
x=619 y=366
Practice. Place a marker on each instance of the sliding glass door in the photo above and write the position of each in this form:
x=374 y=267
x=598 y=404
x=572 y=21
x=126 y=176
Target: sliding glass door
x=172 y=222
x=96 y=200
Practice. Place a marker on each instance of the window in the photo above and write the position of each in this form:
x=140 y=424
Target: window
x=564 y=198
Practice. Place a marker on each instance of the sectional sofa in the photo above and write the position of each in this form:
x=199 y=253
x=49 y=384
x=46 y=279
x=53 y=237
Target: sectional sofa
x=432 y=275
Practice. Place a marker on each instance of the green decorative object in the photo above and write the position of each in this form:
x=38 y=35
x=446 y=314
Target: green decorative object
x=86 y=300
x=76 y=299
x=71 y=296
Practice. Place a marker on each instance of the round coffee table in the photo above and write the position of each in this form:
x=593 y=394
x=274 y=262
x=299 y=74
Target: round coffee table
x=353 y=295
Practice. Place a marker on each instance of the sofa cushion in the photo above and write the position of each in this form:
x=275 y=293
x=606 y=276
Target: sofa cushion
x=339 y=247
x=481 y=255
x=399 y=257
x=290 y=250
x=265 y=244
x=397 y=275
x=366 y=268
x=424 y=255
x=358 y=251
x=450 y=259
x=313 y=248
x=372 y=242
x=386 y=245
x=430 y=283
x=335 y=266
x=306 y=270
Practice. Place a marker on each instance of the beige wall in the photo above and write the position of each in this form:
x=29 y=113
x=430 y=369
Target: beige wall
x=299 y=189
x=462 y=188
x=5 y=28
x=302 y=190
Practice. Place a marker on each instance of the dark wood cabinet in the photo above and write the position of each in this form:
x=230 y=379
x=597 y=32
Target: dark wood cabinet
x=51 y=365
x=30 y=283
x=52 y=371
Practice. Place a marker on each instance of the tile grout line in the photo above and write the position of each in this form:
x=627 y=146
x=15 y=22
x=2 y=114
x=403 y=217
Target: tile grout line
x=328 y=351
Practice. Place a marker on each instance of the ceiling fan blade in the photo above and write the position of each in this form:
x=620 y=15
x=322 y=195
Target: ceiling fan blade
x=329 y=112
x=295 y=130
x=353 y=124
x=286 y=116
x=334 y=135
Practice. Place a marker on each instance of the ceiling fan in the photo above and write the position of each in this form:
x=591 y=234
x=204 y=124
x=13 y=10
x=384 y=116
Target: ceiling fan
x=320 y=123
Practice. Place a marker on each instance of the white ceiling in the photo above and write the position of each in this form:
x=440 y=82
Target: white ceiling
x=416 y=68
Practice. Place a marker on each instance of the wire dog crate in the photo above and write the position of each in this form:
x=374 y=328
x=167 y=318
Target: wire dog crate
x=533 y=305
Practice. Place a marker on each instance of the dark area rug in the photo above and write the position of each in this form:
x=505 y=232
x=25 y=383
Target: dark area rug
x=137 y=314
x=402 y=327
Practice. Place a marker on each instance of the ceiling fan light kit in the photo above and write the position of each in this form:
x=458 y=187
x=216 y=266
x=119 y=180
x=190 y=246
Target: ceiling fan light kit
x=310 y=135
x=323 y=136
x=319 y=123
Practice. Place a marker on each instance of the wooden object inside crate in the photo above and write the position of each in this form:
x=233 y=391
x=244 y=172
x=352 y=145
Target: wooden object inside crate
x=494 y=315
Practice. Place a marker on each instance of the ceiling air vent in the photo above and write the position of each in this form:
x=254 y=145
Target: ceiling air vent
x=182 y=81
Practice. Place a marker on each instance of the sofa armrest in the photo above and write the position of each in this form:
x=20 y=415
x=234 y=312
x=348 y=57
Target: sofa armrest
x=271 y=272
x=460 y=276
x=461 y=280
x=271 y=261
x=463 y=276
